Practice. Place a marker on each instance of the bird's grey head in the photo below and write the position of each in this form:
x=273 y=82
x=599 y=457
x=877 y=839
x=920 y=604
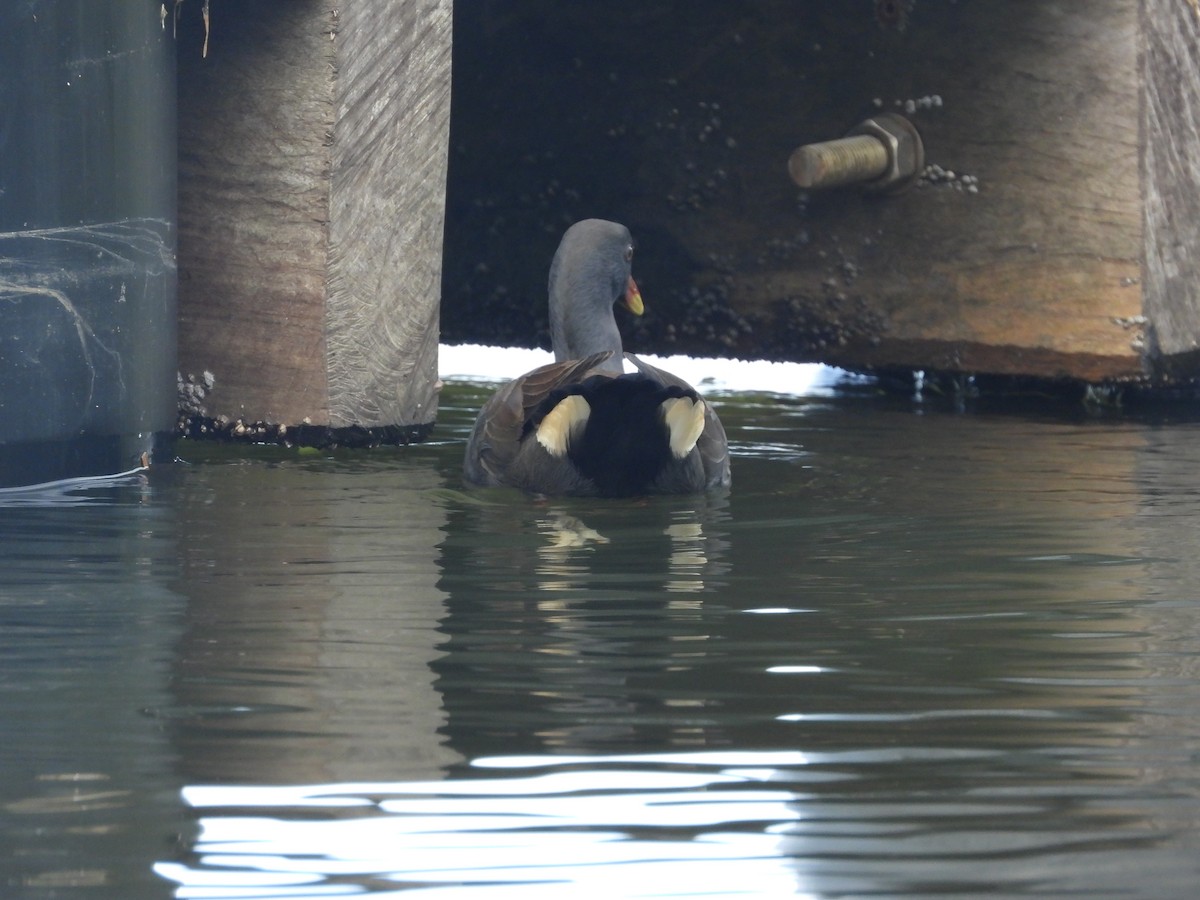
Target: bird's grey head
x=591 y=271
x=593 y=252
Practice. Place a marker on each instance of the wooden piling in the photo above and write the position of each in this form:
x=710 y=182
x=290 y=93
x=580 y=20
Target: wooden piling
x=1170 y=171
x=313 y=142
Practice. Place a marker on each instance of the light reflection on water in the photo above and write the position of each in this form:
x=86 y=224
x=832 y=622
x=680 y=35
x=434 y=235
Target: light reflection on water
x=906 y=654
x=599 y=828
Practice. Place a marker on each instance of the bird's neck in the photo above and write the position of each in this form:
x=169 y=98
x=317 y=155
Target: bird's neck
x=582 y=318
x=575 y=340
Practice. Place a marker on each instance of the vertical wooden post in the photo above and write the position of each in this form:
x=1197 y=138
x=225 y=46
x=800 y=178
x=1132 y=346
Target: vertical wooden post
x=1170 y=162
x=390 y=139
x=312 y=181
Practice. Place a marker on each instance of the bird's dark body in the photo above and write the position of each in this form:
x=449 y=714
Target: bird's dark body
x=623 y=449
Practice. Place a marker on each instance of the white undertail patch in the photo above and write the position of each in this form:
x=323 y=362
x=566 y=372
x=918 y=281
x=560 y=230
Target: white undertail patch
x=685 y=422
x=561 y=425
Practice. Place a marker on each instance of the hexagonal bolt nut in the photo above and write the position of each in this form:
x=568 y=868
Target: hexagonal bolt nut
x=883 y=153
x=906 y=153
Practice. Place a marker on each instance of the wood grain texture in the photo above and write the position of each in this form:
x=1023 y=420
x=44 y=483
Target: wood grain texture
x=1171 y=182
x=1037 y=273
x=387 y=213
x=253 y=206
x=312 y=185
x=680 y=126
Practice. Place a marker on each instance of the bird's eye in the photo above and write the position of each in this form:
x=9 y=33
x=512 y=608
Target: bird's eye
x=629 y=253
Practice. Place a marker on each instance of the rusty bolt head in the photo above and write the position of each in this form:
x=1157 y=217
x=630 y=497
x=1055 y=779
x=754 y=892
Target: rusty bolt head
x=906 y=153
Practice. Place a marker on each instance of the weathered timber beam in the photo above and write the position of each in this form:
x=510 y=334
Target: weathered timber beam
x=312 y=180
x=1025 y=248
x=1170 y=160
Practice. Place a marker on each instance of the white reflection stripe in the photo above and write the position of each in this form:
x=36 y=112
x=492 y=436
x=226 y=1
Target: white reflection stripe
x=780 y=758
x=722 y=866
x=354 y=794
x=479 y=362
x=456 y=823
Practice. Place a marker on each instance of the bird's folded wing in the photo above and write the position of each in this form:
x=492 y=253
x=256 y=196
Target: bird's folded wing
x=713 y=445
x=501 y=424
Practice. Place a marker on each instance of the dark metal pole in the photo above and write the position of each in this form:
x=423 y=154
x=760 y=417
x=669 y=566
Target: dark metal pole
x=87 y=237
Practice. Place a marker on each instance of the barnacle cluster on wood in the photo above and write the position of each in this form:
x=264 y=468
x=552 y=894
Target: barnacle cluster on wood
x=893 y=13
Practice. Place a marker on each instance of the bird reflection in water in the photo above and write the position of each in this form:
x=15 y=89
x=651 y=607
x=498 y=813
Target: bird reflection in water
x=569 y=542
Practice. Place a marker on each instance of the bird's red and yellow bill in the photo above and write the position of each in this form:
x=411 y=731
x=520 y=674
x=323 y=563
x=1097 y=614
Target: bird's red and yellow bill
x=633 y=298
